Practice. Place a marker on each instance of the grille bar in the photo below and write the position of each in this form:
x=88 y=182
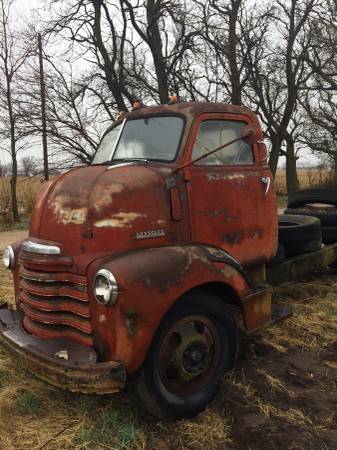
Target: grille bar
x=52 y=277
x=57 y=318
x=54 y=304
x=54 y=290
x=56 y=331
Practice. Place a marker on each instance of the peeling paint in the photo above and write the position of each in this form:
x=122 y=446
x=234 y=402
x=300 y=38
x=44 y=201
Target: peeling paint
x=67 y=215
x=119 y=220
x=221 y=176
x=215 y=176
x=104 y=195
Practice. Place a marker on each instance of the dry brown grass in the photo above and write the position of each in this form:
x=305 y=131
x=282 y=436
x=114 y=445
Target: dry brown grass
x=308 y=178
x=27 y=190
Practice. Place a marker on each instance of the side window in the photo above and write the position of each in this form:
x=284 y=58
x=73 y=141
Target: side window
x=213 y=134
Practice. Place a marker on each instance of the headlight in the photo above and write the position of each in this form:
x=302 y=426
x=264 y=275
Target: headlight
x=8 y=257
x=105 y=287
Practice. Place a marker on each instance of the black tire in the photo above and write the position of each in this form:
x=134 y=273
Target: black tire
x=163 y=397
x=299 y=234
x=329 y=235
x=279 y=256
x=327 y=218
x=301 y=198
x=294 y=249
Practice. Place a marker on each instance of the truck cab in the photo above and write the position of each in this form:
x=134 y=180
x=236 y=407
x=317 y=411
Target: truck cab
x=137 y=267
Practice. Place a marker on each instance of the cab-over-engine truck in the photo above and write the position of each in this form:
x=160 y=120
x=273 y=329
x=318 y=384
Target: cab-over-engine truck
x=134 y=265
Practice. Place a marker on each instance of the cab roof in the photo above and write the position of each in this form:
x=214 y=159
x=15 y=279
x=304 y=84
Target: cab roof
x=189 y=109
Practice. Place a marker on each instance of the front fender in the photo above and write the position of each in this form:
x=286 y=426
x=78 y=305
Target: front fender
x=150 y=282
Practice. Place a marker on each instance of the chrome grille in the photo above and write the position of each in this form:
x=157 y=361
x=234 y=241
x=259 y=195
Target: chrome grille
x=55 y=304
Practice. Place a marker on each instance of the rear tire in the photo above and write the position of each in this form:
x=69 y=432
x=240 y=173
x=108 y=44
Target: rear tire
x=327 y=218
x=301 y=198
x=299 y=234
x=196 y=343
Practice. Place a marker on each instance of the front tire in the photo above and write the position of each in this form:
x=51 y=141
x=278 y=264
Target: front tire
x=196 y=343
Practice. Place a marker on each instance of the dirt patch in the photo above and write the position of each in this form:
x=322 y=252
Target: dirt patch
x=282 y=394
x=6 y=237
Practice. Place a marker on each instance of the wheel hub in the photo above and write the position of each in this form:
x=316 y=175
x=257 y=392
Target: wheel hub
x=188 y=354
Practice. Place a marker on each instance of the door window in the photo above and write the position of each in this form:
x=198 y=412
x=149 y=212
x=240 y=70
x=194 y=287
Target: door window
x=213 y=134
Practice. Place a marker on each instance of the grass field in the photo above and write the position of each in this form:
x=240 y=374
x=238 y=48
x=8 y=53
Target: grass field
x=27 y=190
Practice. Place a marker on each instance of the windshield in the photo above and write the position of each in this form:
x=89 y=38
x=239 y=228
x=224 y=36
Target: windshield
x=150 y=138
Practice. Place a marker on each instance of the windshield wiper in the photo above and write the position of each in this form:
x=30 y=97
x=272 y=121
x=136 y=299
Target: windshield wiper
x=129 y=159
x=102 y=163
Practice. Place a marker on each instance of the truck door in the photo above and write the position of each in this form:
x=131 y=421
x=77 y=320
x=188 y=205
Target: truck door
x=230 y=203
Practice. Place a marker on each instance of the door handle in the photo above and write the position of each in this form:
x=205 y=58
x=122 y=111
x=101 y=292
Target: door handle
x=266 y=182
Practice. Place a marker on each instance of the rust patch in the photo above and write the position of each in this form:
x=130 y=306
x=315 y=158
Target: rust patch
x=223 y=176
x=234 y=238
x=67 y=215
x=119 y=220
x=131 y=319
x=104 y=195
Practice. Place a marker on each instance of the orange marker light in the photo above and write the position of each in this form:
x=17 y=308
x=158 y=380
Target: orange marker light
x=136 y=105
x=173 y=99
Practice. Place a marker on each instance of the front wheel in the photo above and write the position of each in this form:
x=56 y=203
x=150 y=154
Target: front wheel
x=196 y=343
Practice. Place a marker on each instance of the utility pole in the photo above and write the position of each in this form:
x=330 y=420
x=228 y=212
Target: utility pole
x=43 y=112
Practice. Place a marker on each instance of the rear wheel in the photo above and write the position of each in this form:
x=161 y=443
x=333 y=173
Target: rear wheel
x=195 y=345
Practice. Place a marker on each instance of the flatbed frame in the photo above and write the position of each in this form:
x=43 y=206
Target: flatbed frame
x=292 y=268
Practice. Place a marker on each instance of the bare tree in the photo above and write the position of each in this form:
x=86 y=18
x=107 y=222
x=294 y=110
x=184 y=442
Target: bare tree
x=29 y=165
x=75 y=119
x=231 y=33
x=277 y=79
x=320 y=98
x=13 y=55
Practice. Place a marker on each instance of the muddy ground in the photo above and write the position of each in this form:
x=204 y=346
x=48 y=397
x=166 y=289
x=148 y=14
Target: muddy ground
x=282 y=395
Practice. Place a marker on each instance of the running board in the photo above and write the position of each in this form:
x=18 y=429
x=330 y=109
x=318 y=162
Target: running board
x=298 y=266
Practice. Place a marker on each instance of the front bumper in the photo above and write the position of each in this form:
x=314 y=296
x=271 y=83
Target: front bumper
x=78 y=373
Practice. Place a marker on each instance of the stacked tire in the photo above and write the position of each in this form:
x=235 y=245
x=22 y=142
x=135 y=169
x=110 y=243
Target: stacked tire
x=297 y=234
x=319 y=203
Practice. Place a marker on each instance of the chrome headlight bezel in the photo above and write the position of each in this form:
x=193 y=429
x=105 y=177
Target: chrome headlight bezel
x=8 y=257
x=111 y=288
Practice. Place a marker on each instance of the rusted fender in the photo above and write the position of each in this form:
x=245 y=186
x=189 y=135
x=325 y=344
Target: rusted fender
x=150 y=282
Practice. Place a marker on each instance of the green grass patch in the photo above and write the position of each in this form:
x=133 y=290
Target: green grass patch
x=111 y=429
x=3 y=377
x=282 y=201
x=28 y=403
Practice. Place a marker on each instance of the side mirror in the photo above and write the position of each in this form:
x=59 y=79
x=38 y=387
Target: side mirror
x=252 y=134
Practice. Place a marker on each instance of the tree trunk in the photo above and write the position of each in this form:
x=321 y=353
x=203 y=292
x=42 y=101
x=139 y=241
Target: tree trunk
x=13 y=182
x=291 y=171
x=15 y=210
x=335 y=170
x=155 y=44
x=232 y=55
x=274 y=154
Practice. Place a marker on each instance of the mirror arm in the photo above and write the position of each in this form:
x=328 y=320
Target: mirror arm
x=192 y=161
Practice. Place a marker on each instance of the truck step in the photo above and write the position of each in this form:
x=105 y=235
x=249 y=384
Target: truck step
x=280 y=312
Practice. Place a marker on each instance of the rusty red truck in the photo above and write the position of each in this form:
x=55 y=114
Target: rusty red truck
x=136 y=267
